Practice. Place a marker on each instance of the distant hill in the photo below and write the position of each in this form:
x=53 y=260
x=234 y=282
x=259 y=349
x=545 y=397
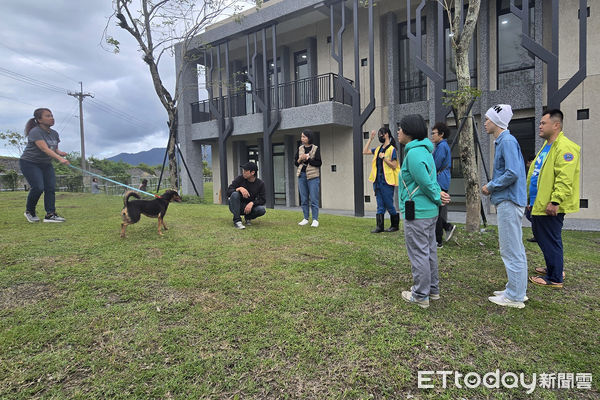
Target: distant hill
x=148 y=157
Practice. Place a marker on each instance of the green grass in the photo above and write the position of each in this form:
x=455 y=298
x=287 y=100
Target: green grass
x=274 y=311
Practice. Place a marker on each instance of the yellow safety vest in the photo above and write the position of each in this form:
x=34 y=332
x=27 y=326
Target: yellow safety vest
x=391 y=175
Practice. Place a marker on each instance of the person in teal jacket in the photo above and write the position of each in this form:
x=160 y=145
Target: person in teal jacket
x=420 y=198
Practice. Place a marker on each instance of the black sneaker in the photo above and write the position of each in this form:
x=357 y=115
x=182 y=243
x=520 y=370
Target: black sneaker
x=247 y=221
x=31 y=217
x=54 y=217
x=440 y=245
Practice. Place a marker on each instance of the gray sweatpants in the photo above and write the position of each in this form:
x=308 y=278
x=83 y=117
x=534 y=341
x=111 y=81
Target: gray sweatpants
x=421 y=246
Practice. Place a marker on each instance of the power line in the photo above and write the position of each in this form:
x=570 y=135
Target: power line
x=103 y=106
x=32 y=81
x=38 y=63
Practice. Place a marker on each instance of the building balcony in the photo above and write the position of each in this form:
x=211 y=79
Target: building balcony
x=298 y=93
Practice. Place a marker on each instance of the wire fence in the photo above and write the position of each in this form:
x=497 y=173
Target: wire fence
x=83 y=184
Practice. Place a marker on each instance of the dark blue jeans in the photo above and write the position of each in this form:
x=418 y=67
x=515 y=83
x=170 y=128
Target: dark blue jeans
x=548 y=232
x=384 y=194
x=237 y=208
x=309 y=188
x=41 y=178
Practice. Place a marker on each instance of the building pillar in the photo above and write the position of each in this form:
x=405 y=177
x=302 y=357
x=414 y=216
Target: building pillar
x=290 y=171
x=390 y=39
x=191 y=151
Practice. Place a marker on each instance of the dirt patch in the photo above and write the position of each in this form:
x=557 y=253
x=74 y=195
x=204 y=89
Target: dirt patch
x=25 y=294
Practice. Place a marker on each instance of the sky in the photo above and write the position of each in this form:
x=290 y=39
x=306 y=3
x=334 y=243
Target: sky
x=55 y=44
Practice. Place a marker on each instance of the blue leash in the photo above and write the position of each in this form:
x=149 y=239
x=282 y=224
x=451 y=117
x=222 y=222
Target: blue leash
x=110 y=180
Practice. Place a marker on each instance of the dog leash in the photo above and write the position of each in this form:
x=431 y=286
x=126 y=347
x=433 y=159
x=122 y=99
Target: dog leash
x=110 y=180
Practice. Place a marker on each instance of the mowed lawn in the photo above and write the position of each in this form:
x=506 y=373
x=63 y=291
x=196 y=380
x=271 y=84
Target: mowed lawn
x=274 y=311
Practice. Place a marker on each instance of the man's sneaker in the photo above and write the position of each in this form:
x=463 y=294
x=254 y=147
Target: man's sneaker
x=440 y=245
x=434 y=296
x=247 y=221
x=303 y=222
x=239 y=225
x=315 y=223
x=503 y=301
x=450 y=232
x=31 y=217
x=407 y=296
x=501 y=293
x=54 y=217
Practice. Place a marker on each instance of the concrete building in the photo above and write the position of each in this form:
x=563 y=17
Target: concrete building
x=287 y=44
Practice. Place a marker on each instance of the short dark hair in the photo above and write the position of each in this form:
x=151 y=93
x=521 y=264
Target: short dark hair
x=555 y=113
x=309 y=135
x=442 y=129
x=413 y=125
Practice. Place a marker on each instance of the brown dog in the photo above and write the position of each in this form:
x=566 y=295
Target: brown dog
x=157 y=208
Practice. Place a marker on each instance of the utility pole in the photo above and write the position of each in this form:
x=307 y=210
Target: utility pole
x=80 y=96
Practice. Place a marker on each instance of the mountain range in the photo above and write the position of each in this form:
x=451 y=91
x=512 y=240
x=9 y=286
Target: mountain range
x=148 y=157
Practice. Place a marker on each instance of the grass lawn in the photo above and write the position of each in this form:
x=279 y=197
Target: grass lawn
x=274 y=311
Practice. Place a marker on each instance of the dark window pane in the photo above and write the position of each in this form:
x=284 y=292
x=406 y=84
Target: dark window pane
x=413 y=84
x=515 y=64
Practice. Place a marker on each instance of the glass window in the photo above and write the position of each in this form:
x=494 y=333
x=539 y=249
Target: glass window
x=413 y=83
x=515 y=64
x=302 y=85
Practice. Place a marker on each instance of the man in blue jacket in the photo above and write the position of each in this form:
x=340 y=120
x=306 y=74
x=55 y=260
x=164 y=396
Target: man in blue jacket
x=508 y=192
x=443 y=164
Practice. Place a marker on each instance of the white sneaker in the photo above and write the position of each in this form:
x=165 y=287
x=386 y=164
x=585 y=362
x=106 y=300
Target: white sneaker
x=503 y=301
x=239 y=225
x=54 y=217
x=407 y=296
x=434 y=296
x=501 y=293
x=315 y=223
x=303 y=222
x=31 y=217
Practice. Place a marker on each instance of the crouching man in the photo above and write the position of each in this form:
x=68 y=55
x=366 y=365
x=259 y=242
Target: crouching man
x=246 y=196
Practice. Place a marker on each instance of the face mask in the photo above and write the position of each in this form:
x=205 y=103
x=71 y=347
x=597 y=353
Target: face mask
x=382 y=139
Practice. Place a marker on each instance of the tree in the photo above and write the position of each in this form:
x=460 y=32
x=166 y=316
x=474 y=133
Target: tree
x=14 y=140
x=461 y=36
x=157 y=26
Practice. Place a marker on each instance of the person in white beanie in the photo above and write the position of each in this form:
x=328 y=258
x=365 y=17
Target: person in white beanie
x=508 y=192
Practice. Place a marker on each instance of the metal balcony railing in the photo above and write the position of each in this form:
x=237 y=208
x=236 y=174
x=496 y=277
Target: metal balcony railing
x=313 y=90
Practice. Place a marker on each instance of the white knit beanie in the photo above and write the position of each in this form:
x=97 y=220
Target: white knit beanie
x=500 y=114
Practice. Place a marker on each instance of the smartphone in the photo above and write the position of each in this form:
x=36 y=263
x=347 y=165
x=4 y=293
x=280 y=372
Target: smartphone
x=409 y=210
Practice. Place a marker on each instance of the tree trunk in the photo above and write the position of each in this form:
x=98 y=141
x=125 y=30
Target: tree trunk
x=171 y=150
x=467 y=144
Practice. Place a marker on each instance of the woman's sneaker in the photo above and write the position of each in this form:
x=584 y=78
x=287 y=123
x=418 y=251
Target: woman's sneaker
x=31 y=217
x=54 y=217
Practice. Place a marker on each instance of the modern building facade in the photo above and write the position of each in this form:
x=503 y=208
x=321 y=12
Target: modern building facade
x=272 y=74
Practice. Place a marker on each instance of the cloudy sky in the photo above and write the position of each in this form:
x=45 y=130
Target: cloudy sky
x=47 y=47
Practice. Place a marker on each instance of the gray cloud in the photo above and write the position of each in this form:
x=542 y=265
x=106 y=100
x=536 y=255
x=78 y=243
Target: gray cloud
x=58 y=42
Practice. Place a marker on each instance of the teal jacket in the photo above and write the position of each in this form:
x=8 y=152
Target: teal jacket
x=418 y=177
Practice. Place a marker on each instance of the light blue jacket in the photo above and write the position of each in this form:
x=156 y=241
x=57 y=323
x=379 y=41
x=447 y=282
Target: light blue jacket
x=509 y=180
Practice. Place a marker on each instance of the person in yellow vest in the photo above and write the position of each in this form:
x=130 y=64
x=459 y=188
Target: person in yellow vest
x=308 y=163
x=384 y=175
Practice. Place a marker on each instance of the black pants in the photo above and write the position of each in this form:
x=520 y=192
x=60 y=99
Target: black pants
x=442 y=223
x=237 y=208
